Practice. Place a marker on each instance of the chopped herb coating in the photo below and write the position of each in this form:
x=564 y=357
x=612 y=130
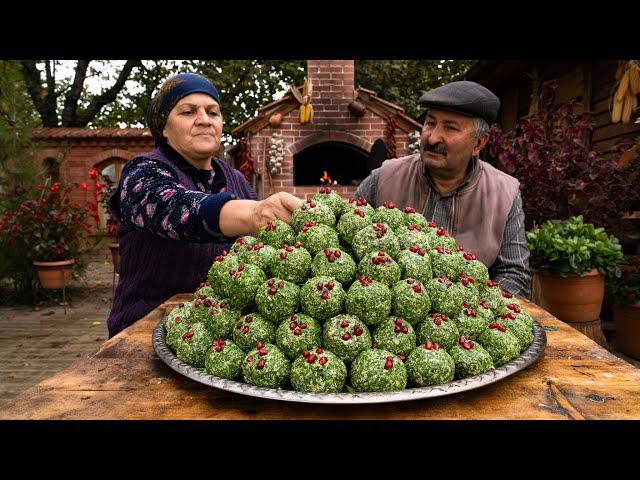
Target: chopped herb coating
x=322 y=297
x=502 y=346
x=193 y=345
x=266 y=367
x=409 y=235
x=312 y=212
x=446 y=296
x=430 y=367
x=316 y=238
x=277 y=299
x=378 y=371
x=316 y=372
x=253 y=328
x=470 y=362
x=276 y=233
x=395 y=335
x=331 y=199
x=224 y=359
x=379 y=266
x=446 y=263
x=346 y=336
x=368 y=300
x=375 y=237
x=410 y=300
x=292 y=263
x=442 y=331
x=351 y=222
x=245 y=281
x=416 y=264
x=392 y=217
x=297 y=333
x=333 y=262
x=260 y=255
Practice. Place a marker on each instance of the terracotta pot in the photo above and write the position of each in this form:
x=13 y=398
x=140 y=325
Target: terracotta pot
x=627 y=321
x=572 y=299
x=115 y=255
x=54 y=274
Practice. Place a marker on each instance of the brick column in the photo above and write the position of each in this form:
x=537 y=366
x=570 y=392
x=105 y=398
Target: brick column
x=334 y=78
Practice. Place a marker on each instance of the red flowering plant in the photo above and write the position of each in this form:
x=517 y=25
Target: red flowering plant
x=560 y=177
x=49 y=228
x=101 y=194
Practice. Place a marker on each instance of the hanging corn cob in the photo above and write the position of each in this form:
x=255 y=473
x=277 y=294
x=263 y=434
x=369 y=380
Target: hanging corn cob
x=634 y=77
x=625 y=99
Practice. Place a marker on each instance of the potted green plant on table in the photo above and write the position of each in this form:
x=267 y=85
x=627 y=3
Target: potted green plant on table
x=570 y=260
x=625 y=293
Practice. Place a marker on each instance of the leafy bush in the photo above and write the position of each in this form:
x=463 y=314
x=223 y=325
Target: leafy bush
x=624 y=290
x=573 y=247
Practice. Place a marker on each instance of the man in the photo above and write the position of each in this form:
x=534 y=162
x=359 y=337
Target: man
x=479 y=205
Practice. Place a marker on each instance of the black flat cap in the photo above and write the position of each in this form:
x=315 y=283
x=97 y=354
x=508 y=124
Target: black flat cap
x=466 y=98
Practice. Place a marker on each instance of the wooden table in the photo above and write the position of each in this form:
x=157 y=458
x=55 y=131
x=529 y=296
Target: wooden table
x=574 y=379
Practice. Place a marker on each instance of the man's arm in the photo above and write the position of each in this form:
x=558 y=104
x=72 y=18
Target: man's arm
x=511 y=268
x=368 y=188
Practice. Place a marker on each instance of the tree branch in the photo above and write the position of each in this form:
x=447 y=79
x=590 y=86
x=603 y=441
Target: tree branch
x=32 y=78
x=108 y=96
x=73 y=95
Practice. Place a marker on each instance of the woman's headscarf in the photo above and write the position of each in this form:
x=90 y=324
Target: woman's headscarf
x=171 y=91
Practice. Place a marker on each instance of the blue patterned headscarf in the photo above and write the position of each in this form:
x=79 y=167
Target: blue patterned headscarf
x=171 y=91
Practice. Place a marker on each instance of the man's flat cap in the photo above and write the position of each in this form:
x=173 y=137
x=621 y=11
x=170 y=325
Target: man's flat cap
x=466 y=98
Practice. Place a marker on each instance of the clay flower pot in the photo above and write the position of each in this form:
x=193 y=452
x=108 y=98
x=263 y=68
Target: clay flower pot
x=627 y=321
x=572 y=299
x=54 y=274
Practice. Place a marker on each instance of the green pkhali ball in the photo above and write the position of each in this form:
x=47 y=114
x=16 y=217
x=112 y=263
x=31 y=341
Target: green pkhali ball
x=518 y=327
x=205 y=291
x=368 y=300
x=445 y=263
x=410 y=300
x=360 y=202
x=379 y=266
x=493 y=295
x=224 y=359
x=245 y=281
x=475 y=269
x=470 y=358
x=333 y=262
x=218 y=317
x=319 y=371
x=446 y=296
x=218 y=274
x=260 y=255
x=298 y=333
x=193 y=345
x=438 y=328
x=314 y=212
x=266 y=366
x=470 y=292
x=174 y=336
x=412 y=217
x=378 y=371
x=373 y=238
x=327 y=196
x=395 y=335
x=430 y=365
x=242 y=243
x=502 y=345
x=444 y=240
x=351 y=222
x=470 y=324
x=292 y=263
x=316 y=237
x=388 y=214
x=178 y=315
x=346 y=336
x=277 y=299
x=253 y=328
x=322 y=297
x=415 y=263
x=276 y=233
x=409 y=235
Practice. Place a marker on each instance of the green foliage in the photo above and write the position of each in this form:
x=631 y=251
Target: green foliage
x=624 y=290
x=403 y=81
x=572 y=247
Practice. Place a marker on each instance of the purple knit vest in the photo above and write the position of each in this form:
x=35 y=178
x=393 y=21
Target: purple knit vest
x=153 y=269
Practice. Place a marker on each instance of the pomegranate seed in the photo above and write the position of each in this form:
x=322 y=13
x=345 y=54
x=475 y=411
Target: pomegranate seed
x=403 y=358
x=262 y=352
x=330 y=286
x=358 y=331
x=346 y=337
x=405 y=330
x=319 y=285
x=374 y=344
x=398 y=321
x=207 y=303
x=187 y=336
x=305 y=354
x=324 y=296
x=270 y=282
x=319 y=350
x=397 y=329
x=248 y=319
x=417 y=288
x=245 y=330
x=311 y=358
x=297 y=332
x=283 y=255
x=337 y=253
x=280 y=284
x=288 y=248
x=218 y=349
x=260 y=364
x=323 y=361
x=344 y=324
x=272 y=291
x=303 y=326
x=298 y=245
x=410 y=281
x=250 y=359
x=259 y=345
x=293 y=325
x=437 y=321
x=388 y=365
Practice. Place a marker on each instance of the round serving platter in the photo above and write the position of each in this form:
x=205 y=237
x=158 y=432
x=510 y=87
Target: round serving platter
x=530 y=355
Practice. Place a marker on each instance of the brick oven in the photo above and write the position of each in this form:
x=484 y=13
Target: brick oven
x=351 y=133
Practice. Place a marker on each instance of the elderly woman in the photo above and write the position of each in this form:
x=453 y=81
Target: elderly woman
x=178 y=206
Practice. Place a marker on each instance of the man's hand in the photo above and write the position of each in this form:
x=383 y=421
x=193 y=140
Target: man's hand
x=278 y=206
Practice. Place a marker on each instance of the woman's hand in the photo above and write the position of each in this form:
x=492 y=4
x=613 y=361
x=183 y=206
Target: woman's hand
x=241 y=217
x=278 y=206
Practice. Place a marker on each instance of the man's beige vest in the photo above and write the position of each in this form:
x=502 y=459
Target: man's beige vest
x=479 y=210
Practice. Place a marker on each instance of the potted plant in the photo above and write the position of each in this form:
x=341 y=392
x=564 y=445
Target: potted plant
x=625 y=293
x=52 y=229
x=102 y=194
x=570 y=259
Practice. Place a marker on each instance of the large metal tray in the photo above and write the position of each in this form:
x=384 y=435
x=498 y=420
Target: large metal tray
x=530 y=355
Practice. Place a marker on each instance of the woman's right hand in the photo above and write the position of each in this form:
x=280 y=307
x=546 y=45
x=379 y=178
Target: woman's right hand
x=278 y=206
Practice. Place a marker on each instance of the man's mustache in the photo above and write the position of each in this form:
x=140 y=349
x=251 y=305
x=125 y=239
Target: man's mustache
x=437 y=148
